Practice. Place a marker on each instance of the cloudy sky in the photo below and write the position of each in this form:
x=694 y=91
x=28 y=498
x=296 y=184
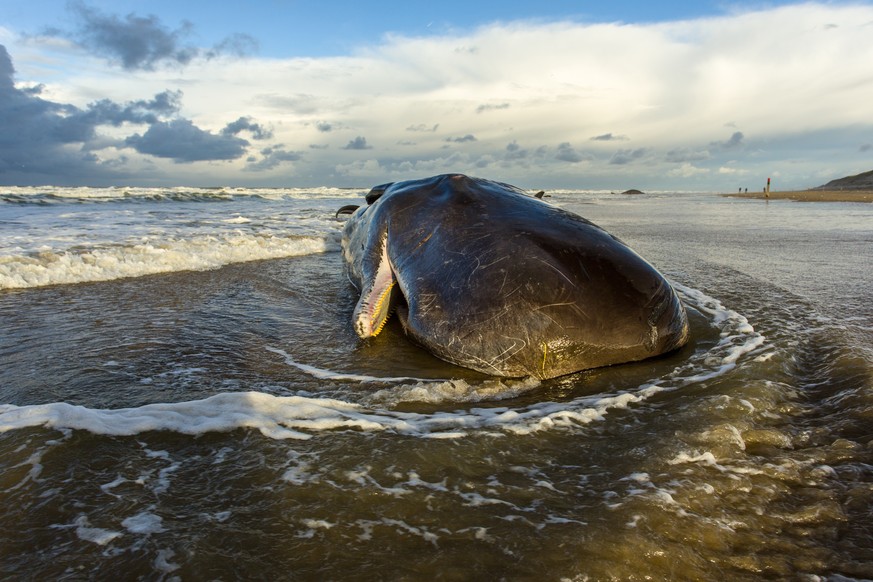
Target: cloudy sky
x=699 y=95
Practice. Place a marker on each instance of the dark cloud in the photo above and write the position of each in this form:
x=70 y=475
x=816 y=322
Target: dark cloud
x=566 y=153
x=181 y=141
x=490 y=107
x=257 y=130
x=43 y=141
x=622 y=157
x=359 y=143
x=323 y=126
x=683 y=155
x=423 y=127
x=462 y=139
x=735 y=140
x=34 y=130
x=46 y=142
x=106 y=112
x=272 y=157
x=514 y=152
x=143 y=42
x=609 y=137
x=7 y=72
x=865 y=147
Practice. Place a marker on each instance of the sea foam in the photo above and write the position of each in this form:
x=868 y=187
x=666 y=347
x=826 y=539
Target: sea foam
x=115 y=262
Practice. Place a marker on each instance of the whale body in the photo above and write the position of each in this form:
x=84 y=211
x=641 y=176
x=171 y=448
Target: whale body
x=485 y=276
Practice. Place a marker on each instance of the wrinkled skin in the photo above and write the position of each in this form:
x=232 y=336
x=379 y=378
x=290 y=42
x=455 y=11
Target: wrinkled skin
x=487 y=277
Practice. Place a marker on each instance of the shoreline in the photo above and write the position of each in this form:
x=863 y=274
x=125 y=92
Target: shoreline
x=810 y=195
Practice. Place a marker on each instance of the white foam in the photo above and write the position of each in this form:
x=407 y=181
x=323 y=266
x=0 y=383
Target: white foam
x=144 y=523
x=737 y=336
x=318 y=524
x=276 y=417
x=162 y=561
x=107 y=487
x=299 y=417
x=399 y=526
x=198 y=253
x=97 y=535
x=323 y=374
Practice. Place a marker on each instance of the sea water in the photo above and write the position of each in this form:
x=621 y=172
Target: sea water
x=182 y=396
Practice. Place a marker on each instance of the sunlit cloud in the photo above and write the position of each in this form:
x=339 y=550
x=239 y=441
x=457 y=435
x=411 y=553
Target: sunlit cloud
x=564 y=104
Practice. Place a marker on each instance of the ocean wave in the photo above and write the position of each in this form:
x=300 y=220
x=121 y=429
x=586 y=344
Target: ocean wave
x=198 y=253
x=49 y=195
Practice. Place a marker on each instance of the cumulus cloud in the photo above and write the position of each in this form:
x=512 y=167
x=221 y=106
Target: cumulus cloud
x=622 y=157
x=181 y=141
x=143 y=42
x=107 y=112
x=687 y=170
x=359 y=143
x=514 y=152
x=272 y=157
x=566 y=153
x=36 y=132
x=44 y=141
x=257 y=130
x=730 y=170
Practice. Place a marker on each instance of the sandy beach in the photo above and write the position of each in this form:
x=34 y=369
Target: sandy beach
x=812 y=195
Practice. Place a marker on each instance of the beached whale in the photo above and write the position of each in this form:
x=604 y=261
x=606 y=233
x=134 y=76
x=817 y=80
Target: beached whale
x=487 y=277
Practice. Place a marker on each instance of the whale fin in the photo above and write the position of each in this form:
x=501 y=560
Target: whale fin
x=347 y=209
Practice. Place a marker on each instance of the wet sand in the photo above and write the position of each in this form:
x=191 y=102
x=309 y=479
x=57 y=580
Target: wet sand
x=811 y=195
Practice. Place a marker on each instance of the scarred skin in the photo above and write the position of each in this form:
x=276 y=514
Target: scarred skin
x=487 y=277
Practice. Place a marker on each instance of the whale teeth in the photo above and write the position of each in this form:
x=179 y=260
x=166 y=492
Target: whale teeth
x=374 y=306
x=381 y=310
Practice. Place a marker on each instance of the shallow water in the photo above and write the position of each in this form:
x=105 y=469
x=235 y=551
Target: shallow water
x=227 y=423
